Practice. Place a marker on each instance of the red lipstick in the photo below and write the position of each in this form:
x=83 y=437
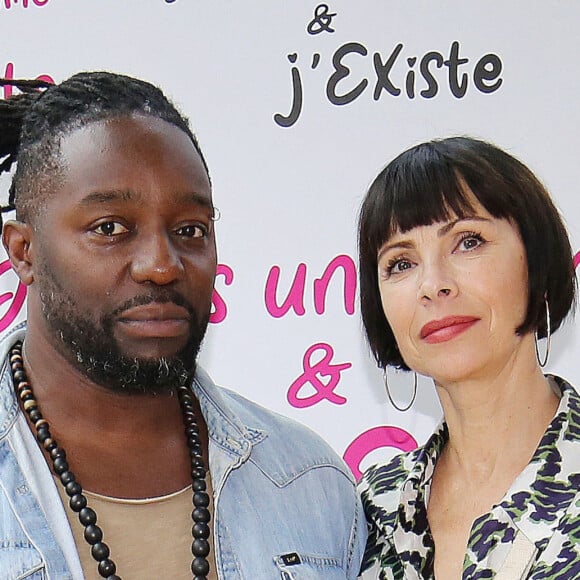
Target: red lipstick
x=446 y=328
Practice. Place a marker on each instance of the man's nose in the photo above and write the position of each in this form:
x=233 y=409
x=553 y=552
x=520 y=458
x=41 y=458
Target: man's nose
x=156 y=260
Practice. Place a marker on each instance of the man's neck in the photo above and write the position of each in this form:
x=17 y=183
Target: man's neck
x=117 y=444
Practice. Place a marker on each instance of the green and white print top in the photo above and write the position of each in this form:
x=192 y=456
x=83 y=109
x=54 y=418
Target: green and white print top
x=533 y=533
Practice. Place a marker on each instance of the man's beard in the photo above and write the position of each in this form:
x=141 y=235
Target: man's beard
x=92 y=349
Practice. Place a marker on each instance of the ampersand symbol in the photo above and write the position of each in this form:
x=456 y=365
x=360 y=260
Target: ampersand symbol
x=321 y=21
x=312 y=371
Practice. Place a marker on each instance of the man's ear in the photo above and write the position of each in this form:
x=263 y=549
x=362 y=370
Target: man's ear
x=17 y=240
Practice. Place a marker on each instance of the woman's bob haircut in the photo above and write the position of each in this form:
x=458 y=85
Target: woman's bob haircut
x=437 y=181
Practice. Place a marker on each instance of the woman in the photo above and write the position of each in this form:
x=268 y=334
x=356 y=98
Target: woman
x=464 y=264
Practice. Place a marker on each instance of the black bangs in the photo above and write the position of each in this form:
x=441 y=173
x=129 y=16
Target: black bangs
x=418 y=188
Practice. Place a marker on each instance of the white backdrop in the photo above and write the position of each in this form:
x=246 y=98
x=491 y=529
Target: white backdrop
x=297 y=106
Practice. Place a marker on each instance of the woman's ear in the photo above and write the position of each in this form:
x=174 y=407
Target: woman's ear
x=17 y=240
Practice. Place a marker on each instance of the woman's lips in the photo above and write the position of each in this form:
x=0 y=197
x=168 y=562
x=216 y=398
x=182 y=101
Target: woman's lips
x=155 y=320
x=446 y=328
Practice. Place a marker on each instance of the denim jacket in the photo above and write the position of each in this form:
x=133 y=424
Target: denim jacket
x=285 y=506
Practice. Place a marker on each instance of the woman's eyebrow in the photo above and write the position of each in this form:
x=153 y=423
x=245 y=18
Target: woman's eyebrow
x=449 y=226
x=401 y=244
x=443 y=230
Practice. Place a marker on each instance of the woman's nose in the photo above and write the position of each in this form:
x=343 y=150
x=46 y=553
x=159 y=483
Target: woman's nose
x=436 y=283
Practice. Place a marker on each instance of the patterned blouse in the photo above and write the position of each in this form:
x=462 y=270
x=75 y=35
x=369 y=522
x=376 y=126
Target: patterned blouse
x=533 y=533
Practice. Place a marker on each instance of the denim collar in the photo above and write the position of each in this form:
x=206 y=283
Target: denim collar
x=225 y=428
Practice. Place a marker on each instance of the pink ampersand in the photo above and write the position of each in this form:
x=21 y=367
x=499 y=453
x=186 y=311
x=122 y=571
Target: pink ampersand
x=376 y=438
x=18 y=298
x=311 y=374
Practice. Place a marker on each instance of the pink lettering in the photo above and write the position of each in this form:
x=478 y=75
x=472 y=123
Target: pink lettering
x=9 y=3
x=9 y=74
x=219 y=310
x=45 y=78
x=312 y=371
x=295 y=298
x=18 y=298
x=321 y=284
x=576 y=259
x=375 y=438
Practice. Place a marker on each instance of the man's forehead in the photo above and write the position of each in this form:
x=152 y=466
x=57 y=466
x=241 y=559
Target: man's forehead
x=117 y=159
x=100 y=135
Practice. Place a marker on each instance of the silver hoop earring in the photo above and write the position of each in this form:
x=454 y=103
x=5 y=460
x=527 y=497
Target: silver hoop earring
x=401 y=409
x=542 y=362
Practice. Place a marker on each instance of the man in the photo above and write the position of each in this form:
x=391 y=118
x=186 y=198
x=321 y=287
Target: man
x=114 y=238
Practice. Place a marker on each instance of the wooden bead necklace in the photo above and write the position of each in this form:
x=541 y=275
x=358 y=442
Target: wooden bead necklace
x=78 y=501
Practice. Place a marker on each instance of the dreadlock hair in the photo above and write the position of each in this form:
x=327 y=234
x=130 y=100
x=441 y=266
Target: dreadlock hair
x=33 y=123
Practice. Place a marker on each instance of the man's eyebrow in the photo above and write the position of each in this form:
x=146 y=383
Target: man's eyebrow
x=125 y=195
x=97 y=197
x=195 y=198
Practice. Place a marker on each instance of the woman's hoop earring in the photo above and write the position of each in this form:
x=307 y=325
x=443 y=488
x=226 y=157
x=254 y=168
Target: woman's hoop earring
x=401 y=409
x=542 y=362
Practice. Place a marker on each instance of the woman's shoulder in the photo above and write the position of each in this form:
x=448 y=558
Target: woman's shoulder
x=381 y=485
x=386 y=477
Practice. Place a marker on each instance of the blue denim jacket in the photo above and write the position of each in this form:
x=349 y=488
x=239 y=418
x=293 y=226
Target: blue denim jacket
x=285 y=505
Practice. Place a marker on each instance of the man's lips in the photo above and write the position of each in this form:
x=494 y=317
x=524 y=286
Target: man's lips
x=155 y=320
x=155 y=311
x=446 y=328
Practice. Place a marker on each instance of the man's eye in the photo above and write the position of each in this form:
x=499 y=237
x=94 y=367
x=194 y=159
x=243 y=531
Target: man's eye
x=192 y=231
x=111 y=229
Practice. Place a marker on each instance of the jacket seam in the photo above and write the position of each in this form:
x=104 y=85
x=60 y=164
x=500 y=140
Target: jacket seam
x=354 y=531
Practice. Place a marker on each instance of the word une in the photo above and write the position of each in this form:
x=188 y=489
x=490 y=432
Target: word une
x=397 y=74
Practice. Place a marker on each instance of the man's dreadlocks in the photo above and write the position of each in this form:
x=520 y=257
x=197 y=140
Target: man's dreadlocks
x=33 y=123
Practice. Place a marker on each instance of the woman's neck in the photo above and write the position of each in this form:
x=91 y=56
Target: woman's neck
x=496 y=423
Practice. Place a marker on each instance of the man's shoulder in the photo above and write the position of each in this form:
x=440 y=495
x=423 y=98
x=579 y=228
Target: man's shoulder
x=282 y=441
x=282 y=431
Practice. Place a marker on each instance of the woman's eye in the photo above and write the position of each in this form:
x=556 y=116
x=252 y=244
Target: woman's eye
x=192 y=231
x=398 y=266
x=470 y=241
x=111 y=229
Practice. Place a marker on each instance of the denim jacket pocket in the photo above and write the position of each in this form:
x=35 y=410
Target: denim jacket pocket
x=300 y=566
x=20 y=562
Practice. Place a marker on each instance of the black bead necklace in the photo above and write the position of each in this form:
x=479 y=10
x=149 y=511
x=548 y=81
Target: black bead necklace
x=78 y=502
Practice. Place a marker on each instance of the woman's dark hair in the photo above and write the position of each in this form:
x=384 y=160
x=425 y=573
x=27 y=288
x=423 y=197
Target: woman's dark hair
x=427 y=184
x=33 y=123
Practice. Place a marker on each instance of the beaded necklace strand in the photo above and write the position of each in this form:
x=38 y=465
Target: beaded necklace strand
x=78 y=501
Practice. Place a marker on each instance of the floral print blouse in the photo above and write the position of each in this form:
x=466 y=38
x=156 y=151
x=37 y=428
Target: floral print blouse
x=533 y=533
